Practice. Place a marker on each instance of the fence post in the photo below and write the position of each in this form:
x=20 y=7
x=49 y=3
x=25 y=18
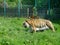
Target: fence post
x=4 y=7
x=49 y=7
x=27 y=12
x=35 y=3
x=18 y=8
x=35 y=8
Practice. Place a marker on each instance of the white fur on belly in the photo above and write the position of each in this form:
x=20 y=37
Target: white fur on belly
x=43 y=28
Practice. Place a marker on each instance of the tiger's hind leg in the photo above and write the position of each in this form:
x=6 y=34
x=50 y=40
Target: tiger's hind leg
x=50 y=25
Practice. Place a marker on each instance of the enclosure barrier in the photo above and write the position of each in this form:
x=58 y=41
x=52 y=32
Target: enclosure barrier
x=27 y=10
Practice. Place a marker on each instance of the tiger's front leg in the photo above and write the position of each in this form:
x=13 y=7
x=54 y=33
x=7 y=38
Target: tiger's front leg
x=33 y=29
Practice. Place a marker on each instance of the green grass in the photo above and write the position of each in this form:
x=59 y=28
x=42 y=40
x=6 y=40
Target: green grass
x=12 y=32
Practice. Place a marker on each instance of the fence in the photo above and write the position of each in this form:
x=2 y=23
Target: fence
x=27 y=10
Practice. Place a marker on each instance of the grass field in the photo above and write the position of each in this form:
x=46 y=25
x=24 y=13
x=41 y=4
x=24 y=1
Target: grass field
x=13 y=33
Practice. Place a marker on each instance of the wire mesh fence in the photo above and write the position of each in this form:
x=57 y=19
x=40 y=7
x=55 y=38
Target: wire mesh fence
x=20 y=10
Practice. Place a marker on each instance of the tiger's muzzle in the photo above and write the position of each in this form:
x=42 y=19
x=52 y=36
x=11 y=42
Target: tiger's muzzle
x=26 y=25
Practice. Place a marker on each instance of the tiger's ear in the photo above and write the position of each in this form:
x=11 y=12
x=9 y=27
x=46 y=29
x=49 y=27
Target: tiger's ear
x=31 y=17
x=34 y=17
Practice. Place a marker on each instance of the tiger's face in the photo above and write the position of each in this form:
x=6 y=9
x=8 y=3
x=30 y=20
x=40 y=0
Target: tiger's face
x=26 y=25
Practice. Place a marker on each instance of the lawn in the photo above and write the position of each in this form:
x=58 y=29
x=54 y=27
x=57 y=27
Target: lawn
x=12 y=32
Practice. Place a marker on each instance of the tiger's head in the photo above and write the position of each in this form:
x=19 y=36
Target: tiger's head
x=25 y=24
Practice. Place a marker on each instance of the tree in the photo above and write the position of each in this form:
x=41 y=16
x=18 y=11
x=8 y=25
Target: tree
x=55 y=3
x=28 y=2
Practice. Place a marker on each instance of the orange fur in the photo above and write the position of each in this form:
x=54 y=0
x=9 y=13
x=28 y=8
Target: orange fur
x=40 y=23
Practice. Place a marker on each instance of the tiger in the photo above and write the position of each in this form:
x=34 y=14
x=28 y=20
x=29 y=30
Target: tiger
x=38 y=24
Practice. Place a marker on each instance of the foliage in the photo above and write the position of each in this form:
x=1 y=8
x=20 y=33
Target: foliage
x=40 y=3
x=34 y=11
x=1 y=1
x=28 y=2
x=55 y=3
